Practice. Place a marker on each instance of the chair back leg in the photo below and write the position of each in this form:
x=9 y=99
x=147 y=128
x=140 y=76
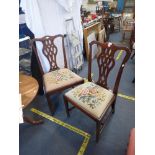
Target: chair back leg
x=50 y=104
x=66 y=106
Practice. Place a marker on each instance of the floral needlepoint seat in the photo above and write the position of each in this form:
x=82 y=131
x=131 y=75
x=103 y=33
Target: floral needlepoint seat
x=59 y=78
x=92 y=98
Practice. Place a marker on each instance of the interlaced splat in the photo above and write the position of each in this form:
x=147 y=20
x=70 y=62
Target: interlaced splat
x=105 y=62
x=50 y=51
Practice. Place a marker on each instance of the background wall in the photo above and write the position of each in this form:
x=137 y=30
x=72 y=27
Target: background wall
x=89 y=7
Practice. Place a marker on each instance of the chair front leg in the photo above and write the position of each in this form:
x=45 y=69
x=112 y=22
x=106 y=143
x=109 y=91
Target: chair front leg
x=113 y=107
x=98 y=129
x=66 y=106
x=50 y=105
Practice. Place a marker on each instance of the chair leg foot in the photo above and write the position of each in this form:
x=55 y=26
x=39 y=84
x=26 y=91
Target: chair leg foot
x=66 y=107
x=98 y=127
x=31 y=121
x=50 y=105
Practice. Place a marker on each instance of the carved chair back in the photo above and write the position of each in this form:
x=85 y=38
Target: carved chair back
x=49 y=50
x=106 y=62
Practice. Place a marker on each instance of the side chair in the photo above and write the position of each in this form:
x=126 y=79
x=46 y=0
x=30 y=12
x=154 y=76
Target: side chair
x=56 y=79
x=96 y=99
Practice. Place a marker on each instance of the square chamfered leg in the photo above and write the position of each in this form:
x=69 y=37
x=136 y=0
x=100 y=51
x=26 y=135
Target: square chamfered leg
x=113 y=107
x=50 y=104
x=98 y=128
x=66 y=106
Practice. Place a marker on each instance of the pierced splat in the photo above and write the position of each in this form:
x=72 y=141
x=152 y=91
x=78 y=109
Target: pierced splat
x=50 y=51
x=105 y=62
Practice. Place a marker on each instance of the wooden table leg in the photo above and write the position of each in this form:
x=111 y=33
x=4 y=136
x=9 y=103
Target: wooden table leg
x=31 y=121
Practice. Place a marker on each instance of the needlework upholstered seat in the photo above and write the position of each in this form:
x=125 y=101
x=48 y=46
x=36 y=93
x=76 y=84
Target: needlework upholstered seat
x=59 y=78
x=92 y=98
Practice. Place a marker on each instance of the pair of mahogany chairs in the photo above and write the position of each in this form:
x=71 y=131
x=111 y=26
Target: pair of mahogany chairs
x=95 y=99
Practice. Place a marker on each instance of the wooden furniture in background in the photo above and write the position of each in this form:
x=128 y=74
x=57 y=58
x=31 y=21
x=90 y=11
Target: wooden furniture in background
x=108 y=24
x=88 y=30
x=28 y=88
x=56 y=79
x=128 y=23
x=117 y=22
x=96 y=99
